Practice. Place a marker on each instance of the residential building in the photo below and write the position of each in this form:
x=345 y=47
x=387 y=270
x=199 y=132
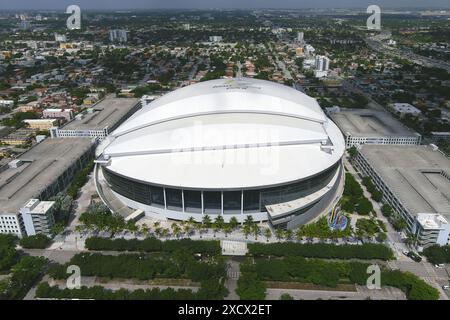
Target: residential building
x=118 y=35
x=41 y=124
x=38 y=216
x=431 y=228
x=66 y=114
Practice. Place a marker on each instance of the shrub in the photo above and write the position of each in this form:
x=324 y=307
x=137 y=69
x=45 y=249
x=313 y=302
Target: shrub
x=150 y=244
x=322 y=250
x=437 y=254
x=38 y=241
x=249 y=287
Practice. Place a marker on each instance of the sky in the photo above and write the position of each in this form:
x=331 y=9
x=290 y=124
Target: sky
x=206 y=4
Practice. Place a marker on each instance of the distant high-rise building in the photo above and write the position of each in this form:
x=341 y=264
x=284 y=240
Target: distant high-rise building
x=24 y=25
x=322 y=66
x=300 y=36
x=60 y=37
x=118 y=35
x=186 y=26
x=215 y=38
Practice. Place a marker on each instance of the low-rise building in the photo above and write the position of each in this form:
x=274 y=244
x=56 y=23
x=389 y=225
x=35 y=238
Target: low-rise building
x=431 y=229
x=414 y=180
x=405 y=108
x=38 y=216
x=100 y=120
x=58 y=113
x=41 y=124
x=43 y=171
x=12 y=223
x=365 y=126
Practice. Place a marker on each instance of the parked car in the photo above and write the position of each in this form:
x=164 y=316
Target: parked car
x=414 y=256
x=446 y=287
x=440 y=266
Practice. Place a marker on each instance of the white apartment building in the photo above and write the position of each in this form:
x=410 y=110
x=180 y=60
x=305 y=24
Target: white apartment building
x=12 y=223
x=38 y=216
x=431 y=228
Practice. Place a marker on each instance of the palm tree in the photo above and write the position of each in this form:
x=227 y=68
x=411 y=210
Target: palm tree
x=219 y=221
x=411 y=240
x=279 y=234
x=176 y=230
x=156 y=224
x=165 y=232
x=233 y=223
x=158 y=231
x=248 y=221
x=144 y=229
x=206 y=221
x=191 y=221
x=246 y=229
x=199 y=228
x=216 y=228
x=267 y=234
x=187 y=229
x=288 y=234
x=299 y=235
x=226 y=230
x=256 y=230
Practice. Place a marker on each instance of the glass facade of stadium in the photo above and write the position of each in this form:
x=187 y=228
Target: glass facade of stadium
x=226 y=202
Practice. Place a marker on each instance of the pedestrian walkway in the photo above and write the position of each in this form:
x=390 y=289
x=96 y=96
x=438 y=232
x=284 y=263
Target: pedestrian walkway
x=233 y=248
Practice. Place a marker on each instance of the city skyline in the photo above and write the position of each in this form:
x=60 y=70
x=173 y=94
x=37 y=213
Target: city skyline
x=231 y=4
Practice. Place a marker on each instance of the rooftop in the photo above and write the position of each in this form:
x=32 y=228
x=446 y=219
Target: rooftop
x=419 y=176
x=41 y=165
x=104 y=114
x=431 y=220
x=370 y=123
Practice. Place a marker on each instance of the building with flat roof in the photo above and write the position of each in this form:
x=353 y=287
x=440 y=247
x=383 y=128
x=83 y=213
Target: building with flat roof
x=66 y=114
x=405 y=108
x=43 y=171
x=432 y=228
x=413 y=179
x=38 y=216
x=228 y=147
x=366 y=126
x=41 y=124
x=100 y=120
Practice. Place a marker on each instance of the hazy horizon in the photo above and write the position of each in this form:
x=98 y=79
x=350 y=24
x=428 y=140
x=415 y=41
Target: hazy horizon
x=215 y=4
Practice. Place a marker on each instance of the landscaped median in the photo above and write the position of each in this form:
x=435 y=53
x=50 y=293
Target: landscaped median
x=208 y=247
x=265 y=272
x=367 y=251
x=149 y=269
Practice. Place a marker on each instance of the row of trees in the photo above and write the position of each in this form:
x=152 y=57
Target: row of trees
x=79 y=180
x=38 y=241
x=23 y=276
x=376 y=194
x=8 y=253
x=354 y=199
x=437 y=254
x=209 y=290
x=177 y=265
x=210 y=247
x=322 y=250
x=319 y=272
